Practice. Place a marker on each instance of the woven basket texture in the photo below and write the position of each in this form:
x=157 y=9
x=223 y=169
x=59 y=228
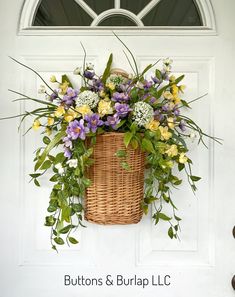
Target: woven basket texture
x=116 y=194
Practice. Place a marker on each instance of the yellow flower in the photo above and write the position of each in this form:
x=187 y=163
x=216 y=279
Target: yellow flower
x=64 y=87
x=165 y=134
x=171 y=124
x=59 y=111
x=111 y=86
x=182 y=158
x=36 y=125
x=102 y=94
x=83 y=110
x=168 y=95
x=50 y=121
x=70 y=115
x=174 y=90
x=104 y=107
x=182 y=88
x=177 y=100
x=53 y=79
x=48 y=131
x=172 y=150
x=153 y=125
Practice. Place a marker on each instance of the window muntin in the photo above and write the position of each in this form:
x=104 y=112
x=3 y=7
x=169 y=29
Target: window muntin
x=117 y=13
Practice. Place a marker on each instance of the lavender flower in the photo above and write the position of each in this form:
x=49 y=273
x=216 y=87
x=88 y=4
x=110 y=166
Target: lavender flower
x=93 y=122
x=182 y=126
x=112 y=121
x=53 y=96
x=156 y=80
x=70 y=96
x=122 y=109
x=147 y=85
x=120 y=97
x=89 y=74
x=67 y=142
x=158 y=116
x=67 y=152
x=176 y=111
x=77 y=129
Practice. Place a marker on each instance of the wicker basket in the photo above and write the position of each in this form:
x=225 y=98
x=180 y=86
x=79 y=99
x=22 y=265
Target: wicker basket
x=116 y=194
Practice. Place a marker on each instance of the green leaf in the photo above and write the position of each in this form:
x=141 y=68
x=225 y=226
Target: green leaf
x=35 y=175
x=134 y=143
x=158 y=74
x=66 y=229
x=164 y=217
x=36 y=182
x=86 y=182
x=66 y=214
x=127 y=138
x=179 y=79
x=145 y=209
x=195 y=178
x=51 y=208
x=125 y=166
x=120 y=124
x=181 y=166
x=73 y=240
x=170 y=232
x=77 y=207
x=59 y=240
x=147 y=145
x=149 y=200
x=54 y=178
x=46 y=140
x=107 y=69
x=121 y=153
x=49 y=147
x=177 y=218
x=46 y=165
x=65 y=78
x=146 y=69
x=59 y=158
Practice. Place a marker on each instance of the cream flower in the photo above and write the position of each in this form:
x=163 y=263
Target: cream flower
x=70 y=115
x=168 y=95
x=84 y=110
x=153 y=125
x=165 y=134
x=182 y=158
x=59 y=111
x=172 y=151
x=50 y=121
x=104 y=107
x=170 y=122
x=36 y=125
x=42 y=89
x=53 y=79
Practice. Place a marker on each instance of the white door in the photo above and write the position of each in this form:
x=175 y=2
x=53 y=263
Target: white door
x=202 y=263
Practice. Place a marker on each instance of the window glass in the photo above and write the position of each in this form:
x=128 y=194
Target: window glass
x=134 y=6
x=173 y=13
x=61 y=13
x=100 y=5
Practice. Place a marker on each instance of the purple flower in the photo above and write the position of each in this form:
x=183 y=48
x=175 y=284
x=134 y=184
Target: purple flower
x=152 y=100
x=156 y=80
x=67 y=152
x=158 y=116
x=53 y=96
x=70 y=96
x=182 y=125
x=97 y=85
x=165 y=75
x=122 y=109
x=120 y=97
x=89 y=74
x=112 y=121
x=93 y=122
x=77 y=129
x=176 y=111
x=67 y=142
x=165 y=108
x=147 y=84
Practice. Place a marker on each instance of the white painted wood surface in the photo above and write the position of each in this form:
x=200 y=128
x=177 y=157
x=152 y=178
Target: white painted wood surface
x=202 y=264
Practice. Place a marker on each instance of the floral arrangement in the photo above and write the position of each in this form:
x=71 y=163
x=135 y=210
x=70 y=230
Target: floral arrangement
x=148 y=111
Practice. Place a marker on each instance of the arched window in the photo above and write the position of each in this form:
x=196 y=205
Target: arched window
x=86 y=16
x=117 y=13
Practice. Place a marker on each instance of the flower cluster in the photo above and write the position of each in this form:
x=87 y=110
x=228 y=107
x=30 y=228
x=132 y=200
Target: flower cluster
x=148 y=111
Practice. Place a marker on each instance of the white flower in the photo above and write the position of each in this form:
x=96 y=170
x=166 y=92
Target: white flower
x=87 y=98
x=89 y=66
x=73 y=163
x=142 y=113
x=60 y=168
x=42 y=89
x=116 y=79
x=77 y=70
x=140 y=85
x=167 y=61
